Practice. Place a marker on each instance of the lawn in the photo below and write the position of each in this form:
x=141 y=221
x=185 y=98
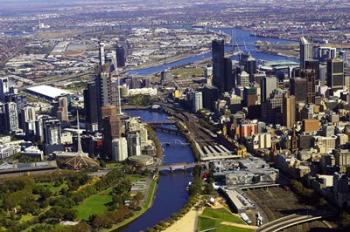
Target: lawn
x=212 y=218
x=222 y=214
x=135 y=178
x=95 y=204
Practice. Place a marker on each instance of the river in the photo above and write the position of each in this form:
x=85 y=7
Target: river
x=240 y=36
x=171 y=194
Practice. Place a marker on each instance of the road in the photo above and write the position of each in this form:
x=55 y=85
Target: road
x=286 y=222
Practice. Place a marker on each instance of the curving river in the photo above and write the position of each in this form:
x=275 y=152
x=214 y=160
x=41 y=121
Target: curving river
x=171 y=194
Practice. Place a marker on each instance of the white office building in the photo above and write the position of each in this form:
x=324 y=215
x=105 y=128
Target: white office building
x=119 y=149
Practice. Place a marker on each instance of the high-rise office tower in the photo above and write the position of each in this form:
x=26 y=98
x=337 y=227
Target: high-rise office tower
x=210 y=96
x=289 y=109
x=119 y=149
x=111 y=128
x=306 y=51
x=134 y=143
x=102 y=55
x=121 y=56
x=243 y=79
x=310 y=76
x=267 y=85
x=39 y=127
x=28 y=120
x=298 y=88
x=343 y=55
x=52 y=131
x=313 y=65
x=197 y=101
x=272 y=108
x=218 y=58
x=250 y=65
x=228 y=75
x=335 y=74
x=62 y=109
x=104 y=93
x=90 y=106
x=12 y=120
x=2 y=119
x=250 y=96
x=4 y=87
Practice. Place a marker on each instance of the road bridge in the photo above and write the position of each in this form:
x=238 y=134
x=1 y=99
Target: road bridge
x=167 y=130
x=161 y=123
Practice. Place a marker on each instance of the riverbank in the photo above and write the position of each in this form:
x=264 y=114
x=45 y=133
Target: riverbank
x=167 y=187
x=148 y=203
x=188 y=223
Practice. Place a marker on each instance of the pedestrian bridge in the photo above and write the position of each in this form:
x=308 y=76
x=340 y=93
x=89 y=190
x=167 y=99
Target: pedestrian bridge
x=177 y=166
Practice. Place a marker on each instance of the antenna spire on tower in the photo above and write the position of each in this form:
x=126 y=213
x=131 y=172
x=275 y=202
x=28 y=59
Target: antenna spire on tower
x=80 y=149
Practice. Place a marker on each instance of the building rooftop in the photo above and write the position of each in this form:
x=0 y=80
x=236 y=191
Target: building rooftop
x=47 y=91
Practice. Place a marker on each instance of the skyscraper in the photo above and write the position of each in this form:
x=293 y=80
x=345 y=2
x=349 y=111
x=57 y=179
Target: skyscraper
x=298 y=88
x=12 y=123
x=197 y=101
x=310 y=76
x=102 y=55
x=134 y=143
x=335 y=74
x=267 y=85
x=111 y=129
x=52 y=131
x=250 y=96
x=306 y=51
x=228 y=76
x=218 y=57
x=243 y=79
x=121 y=56
x=210 y=96
x=4 y=87
x=90 y=106
x=104 y=93
x=272 y=108
x=62 y=109
x=28 y=120
x=250 y=65
x=289 y=111
x=119 y=149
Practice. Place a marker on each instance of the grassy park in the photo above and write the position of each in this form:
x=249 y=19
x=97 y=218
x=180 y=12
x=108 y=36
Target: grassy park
x=220 y=219
x=147 y=204
x=94 y=205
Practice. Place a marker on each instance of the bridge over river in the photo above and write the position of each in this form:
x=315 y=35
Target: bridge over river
x=178 y=166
